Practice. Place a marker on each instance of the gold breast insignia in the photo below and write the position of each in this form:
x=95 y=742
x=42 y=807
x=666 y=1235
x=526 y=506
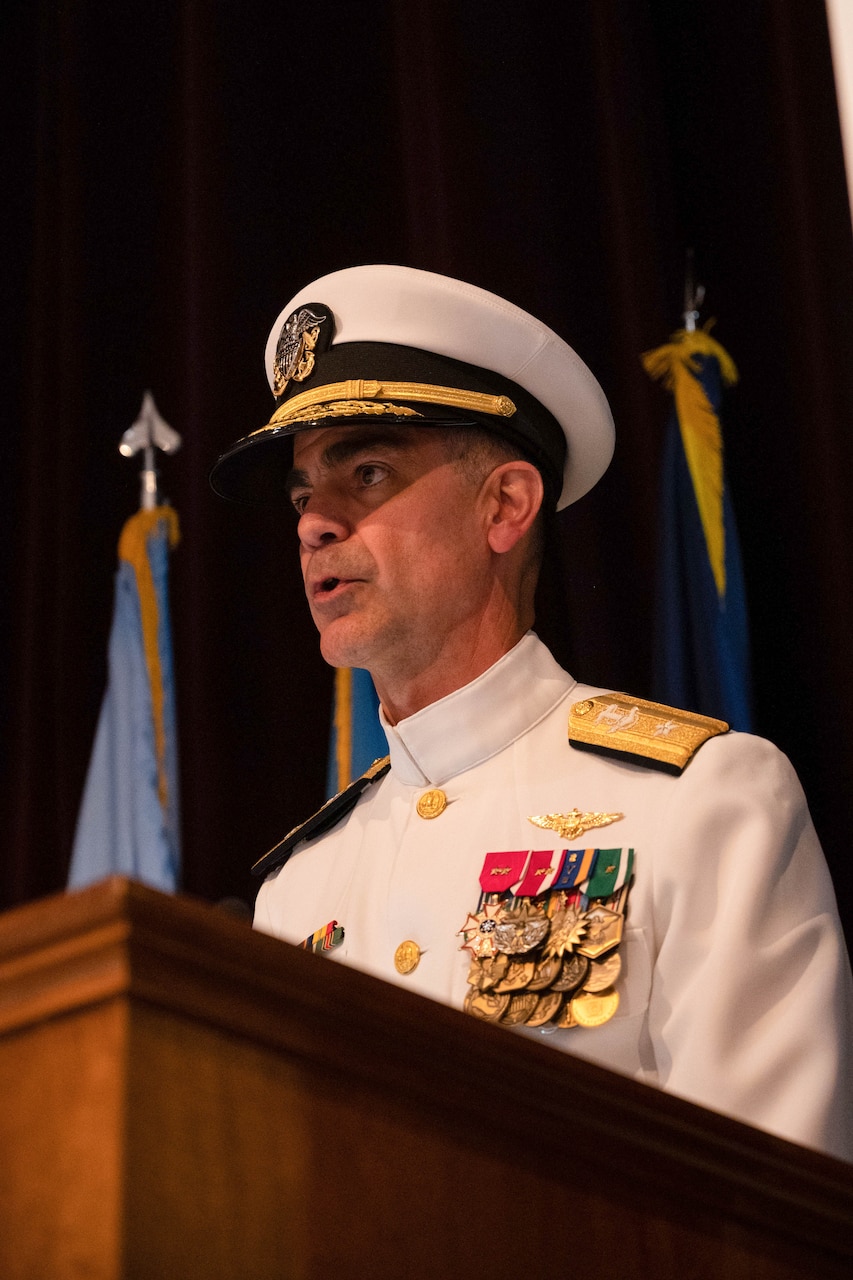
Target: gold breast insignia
x=569 y=826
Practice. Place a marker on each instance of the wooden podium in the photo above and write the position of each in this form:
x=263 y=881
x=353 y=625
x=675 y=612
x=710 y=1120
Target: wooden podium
x=182 y=1097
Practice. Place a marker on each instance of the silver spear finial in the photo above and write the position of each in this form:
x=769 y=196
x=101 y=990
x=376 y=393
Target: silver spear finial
x=149 y=432
x=694 y=295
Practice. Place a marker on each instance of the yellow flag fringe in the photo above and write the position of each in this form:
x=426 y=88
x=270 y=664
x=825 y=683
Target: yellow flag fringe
x=676 y=366
x=133 y=549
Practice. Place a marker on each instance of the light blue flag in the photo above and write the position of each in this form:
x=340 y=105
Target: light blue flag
x=129 y=817
x=357 y=737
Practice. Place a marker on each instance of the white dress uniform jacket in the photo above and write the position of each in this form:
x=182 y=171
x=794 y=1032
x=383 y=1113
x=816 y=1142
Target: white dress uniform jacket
x=735 y=989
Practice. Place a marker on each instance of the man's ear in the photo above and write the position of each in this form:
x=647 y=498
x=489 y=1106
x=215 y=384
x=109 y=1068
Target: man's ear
x=514 y=493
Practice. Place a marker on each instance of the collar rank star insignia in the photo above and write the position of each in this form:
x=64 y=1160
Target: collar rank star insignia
x=572 y=825
x=294 y=355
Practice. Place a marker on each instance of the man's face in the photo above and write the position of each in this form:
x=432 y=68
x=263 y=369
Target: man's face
x=392 y=545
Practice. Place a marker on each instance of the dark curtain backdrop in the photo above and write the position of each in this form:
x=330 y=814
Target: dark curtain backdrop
x=174 y=173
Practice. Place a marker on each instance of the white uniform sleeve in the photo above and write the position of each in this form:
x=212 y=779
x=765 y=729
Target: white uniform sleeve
x=751 y=1000
x=262 y=921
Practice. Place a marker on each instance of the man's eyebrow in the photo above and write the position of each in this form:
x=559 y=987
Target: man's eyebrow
x=342 y=450
x=347 y=447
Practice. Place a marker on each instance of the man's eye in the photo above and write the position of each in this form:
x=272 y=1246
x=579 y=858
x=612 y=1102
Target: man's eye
x=299 y=501
x=371 y=473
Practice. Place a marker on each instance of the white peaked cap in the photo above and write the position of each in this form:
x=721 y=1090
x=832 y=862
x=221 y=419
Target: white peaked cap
x=426 y=312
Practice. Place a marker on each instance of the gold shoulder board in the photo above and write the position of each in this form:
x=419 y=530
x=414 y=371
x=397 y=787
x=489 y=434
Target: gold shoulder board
x=613 y=724
x=326 y=817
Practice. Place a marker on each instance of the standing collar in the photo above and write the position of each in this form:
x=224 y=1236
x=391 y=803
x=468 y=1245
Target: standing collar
x=474 y=723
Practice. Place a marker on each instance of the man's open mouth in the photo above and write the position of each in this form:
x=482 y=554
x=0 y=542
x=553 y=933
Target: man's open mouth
x=321 y=589
x=328 y=586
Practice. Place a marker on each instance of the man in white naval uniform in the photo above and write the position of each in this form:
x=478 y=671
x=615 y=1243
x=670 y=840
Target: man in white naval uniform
x=430 y=424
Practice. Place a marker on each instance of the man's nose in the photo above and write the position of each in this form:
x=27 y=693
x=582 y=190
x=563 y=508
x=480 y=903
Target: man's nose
x=320 y=523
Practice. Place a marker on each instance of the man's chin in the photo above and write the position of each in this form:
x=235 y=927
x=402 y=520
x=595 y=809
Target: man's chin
x=344 y=644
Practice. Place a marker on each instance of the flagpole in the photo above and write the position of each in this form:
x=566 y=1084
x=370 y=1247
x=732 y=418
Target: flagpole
x=694 y=294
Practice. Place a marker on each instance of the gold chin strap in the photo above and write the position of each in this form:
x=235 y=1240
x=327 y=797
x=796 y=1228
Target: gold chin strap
x=361 y=389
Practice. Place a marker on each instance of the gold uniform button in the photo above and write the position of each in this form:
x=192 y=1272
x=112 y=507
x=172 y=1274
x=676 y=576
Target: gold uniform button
x=432 y=803
x=407 y=957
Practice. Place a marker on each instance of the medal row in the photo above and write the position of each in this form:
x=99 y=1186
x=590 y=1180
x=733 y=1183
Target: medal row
x=550 y=959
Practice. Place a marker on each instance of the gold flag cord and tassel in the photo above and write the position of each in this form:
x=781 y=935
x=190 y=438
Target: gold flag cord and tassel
x=675 y=364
